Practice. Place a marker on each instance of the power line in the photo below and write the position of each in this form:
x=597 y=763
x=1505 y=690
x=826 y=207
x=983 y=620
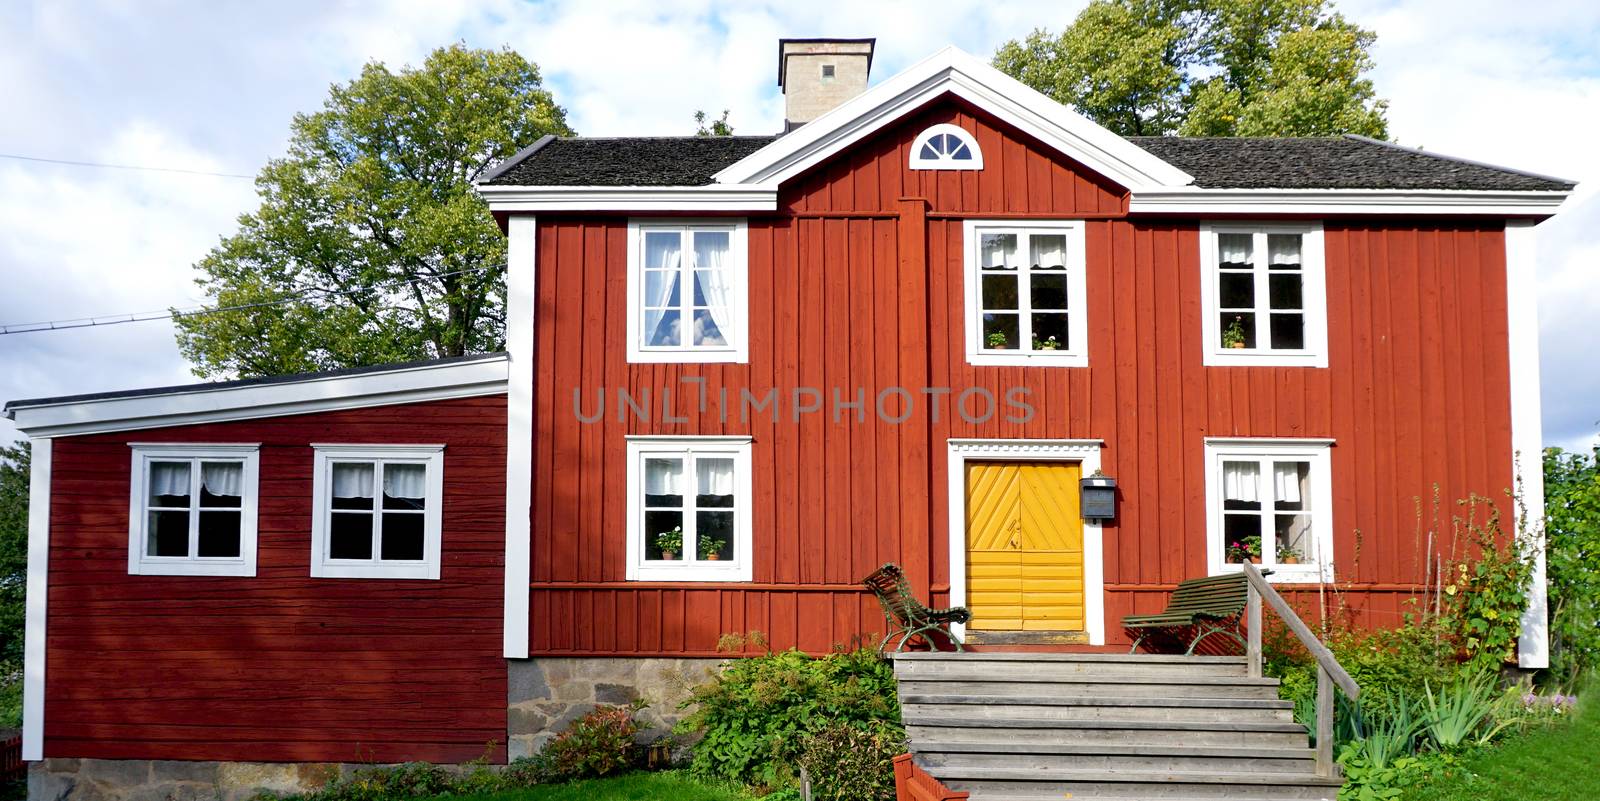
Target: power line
x=201 y=311
x=122 y=166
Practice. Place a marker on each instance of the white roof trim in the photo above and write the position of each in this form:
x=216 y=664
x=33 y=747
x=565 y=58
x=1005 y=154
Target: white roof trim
x=1345 y=201
x=713 y=197
x=960 y=73
x=206 y=404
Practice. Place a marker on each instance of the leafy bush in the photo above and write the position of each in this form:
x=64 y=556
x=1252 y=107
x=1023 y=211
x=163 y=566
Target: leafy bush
x=754 y=717
x=385 y=782
x=1462 y=714
x=852 y=763
x=597 y=744
x=1572 y=556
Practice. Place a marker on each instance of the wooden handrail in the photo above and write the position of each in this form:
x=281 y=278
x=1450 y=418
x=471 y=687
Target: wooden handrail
x=1329 y=672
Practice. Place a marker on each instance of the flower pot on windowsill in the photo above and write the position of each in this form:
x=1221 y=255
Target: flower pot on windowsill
x=1236 y=345
x=713 y=557
x=1255 y=560
x=1289 y=560
x=669 y=555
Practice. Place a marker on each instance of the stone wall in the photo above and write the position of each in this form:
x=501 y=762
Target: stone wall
x=547 y=693
x=163 y=780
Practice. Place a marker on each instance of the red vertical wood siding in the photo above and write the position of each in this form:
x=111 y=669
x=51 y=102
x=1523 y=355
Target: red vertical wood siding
x=280 y=666
x=853 y=284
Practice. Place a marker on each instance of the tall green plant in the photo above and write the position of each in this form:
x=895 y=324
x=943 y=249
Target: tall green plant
x=1572 y=561
x=1462 y=713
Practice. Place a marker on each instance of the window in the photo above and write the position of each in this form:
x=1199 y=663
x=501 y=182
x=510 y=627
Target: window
x=1270 y=504
x=192 y=510
x=1263 y=290
x=686 y=292
x=946 y=147
x=376 y=511
x=689 y=509
x=1025 y=290
x=827 y=73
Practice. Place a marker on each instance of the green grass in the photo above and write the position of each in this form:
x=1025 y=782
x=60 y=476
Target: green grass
x=664 y=786
x=1555 y=764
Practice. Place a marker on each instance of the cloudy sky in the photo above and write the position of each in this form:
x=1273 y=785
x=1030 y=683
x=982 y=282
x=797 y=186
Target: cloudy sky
x=211 y=87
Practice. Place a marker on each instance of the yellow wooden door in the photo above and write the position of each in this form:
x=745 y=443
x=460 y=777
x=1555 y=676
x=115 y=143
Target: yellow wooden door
x=1024 y=546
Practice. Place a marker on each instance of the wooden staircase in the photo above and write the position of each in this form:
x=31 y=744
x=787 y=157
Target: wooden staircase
x=1104 y=726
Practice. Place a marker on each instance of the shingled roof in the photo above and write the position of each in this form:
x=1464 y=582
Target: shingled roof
x=1348 y=162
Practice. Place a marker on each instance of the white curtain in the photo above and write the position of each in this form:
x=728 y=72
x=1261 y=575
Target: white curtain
x=714 y=476
x=711 y=276
x=1047 y=251
x=1283 y=249
x=998 y=251
x=352 y=480
x=169 y=478
x=662 y=251
x=1234 y=249
x=663 y=477
x=1240 y=481
x=1286 y=481
x=223 y=478
x=405 y=481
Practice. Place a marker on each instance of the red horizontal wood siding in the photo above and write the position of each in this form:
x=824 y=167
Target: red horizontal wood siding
x=852 y=286
x=280 y=666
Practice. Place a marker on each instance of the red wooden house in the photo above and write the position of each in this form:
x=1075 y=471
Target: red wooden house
x=744 y=372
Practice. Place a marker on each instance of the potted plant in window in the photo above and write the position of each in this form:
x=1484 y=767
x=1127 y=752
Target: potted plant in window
x=1233 y=335
x=711 y=548
x=996 y=340
x=1048 y=343
x=670 y=543
x=1246 y=549
x=1288 y=555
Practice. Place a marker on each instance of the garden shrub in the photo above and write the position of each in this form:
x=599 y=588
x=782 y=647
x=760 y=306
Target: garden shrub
x=754 y=717
x=1572 y=557
x=385 y=782
x=598 y=744
x=848 y=762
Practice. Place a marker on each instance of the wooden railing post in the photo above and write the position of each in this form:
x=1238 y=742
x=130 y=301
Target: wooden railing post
x=1253 y=651
x=1324 y=722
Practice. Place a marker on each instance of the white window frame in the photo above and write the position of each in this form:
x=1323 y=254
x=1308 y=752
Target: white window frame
x=919 y=163
x=1077 y=295
x=1318 y=566
x=139 y=564
x=432 y=456
x=737 y=332
x=738 y=569
x=1314 y=297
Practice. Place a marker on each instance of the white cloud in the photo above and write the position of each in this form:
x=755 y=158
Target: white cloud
x=213 y=87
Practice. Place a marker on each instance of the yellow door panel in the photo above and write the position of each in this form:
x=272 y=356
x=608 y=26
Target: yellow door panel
x=1024 y=547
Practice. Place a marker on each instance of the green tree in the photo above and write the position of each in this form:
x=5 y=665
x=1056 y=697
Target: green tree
x=1572 y=560
x=14 y=462
x=370 y=245
x=717 y=127
x=1207 y=68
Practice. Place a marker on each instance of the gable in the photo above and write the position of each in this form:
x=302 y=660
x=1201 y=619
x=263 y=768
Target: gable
x=1019 y=174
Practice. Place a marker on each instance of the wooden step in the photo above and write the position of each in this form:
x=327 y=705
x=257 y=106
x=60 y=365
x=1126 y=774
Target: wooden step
x=1015 y=667
x=1097 y=686
x=1105 y=709
x=987 y=784
x=933 y=731
x=1107 y=756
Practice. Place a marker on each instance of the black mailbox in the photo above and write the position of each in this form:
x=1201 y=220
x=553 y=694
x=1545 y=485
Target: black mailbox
x=1098 y=497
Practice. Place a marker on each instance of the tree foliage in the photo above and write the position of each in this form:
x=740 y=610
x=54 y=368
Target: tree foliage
x=370 y=245
x=1207 y=68
x=14 y=463
x=705 y=126
x=1572 y=560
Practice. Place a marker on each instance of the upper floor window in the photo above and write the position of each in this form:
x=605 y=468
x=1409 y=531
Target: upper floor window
x=687 y=295
x=1264 y=295
x=689 y=502
x=1269 y=503
x=376 y=511
x=946 y=147
x=192 y=510
x=1025 y=293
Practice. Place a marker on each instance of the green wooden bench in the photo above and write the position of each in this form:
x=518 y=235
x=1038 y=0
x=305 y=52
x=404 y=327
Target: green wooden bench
x=1199 y=607
x=906 y=616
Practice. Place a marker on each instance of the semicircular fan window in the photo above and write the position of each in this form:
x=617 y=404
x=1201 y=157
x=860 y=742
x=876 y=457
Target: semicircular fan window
x=946 y=147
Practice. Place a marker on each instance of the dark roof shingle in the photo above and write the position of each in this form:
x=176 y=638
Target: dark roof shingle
x=1346 y=162
x=629 y=161
x=1335 y=162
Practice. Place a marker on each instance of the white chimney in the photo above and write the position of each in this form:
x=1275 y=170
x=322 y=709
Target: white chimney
x=817 y=75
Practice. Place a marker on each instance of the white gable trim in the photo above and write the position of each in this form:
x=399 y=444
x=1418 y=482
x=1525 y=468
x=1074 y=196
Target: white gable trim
x=522 y=238
x=211 y=404
x=1527 y=432
x=38 y=593
x=957 y=72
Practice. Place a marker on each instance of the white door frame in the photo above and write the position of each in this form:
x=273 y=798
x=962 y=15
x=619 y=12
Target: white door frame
x=1084 y=451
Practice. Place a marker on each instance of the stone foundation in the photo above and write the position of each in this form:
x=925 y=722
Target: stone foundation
x=163 y=780
x=547 y=693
